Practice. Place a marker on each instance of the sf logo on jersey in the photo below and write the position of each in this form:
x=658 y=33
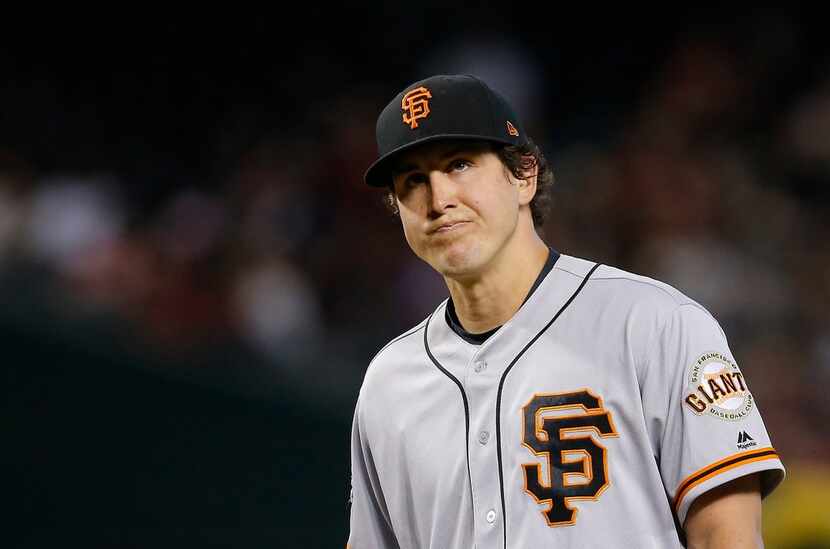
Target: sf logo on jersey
x=576 y=464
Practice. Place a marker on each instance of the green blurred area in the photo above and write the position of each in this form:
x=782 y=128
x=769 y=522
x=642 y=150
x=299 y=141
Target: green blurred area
x=102 y=449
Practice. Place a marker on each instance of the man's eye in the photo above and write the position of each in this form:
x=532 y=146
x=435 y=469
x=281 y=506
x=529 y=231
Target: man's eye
x=459 y=165
x=414 y=180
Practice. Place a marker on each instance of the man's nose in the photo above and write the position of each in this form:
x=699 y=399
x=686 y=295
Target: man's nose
x=443 y=192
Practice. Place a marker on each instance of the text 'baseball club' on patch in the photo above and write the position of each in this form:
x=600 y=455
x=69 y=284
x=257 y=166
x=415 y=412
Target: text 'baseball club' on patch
x=415 y=106
x=716 y=387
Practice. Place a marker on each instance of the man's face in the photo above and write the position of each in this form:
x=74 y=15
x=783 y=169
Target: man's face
x=458 y=203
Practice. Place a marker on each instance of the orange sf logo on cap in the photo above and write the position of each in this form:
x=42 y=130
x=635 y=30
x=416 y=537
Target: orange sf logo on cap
x=415 y=106
x=511 y=129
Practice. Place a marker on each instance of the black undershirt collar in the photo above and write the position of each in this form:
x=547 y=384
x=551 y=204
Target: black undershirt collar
x=478 y=339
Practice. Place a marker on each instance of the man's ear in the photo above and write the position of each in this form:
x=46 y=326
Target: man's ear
x=527 y=185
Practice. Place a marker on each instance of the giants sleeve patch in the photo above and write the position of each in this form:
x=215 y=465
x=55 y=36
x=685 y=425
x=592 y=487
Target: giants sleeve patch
x=716 y=387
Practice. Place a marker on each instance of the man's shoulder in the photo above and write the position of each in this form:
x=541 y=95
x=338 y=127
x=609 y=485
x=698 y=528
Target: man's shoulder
x=625 y=287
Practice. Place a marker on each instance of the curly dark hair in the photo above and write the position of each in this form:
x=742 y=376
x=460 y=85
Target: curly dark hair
x=520 y=160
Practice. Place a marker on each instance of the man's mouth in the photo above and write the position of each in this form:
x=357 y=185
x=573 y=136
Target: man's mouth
x=450 y=226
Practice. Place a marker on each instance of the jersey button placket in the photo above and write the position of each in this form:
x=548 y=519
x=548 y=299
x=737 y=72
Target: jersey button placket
x=482 y=382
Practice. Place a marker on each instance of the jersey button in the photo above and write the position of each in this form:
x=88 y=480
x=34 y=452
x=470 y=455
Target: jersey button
x=479 y=366
x=491 y=516
x=483 y=437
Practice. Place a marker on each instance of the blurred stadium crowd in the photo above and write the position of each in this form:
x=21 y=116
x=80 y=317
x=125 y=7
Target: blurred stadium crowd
x=286 y=270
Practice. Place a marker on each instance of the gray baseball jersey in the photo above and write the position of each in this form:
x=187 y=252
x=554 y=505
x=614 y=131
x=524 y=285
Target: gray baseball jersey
x=593 y=418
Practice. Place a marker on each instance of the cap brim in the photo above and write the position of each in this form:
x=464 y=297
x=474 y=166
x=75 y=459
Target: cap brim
x=379 y=173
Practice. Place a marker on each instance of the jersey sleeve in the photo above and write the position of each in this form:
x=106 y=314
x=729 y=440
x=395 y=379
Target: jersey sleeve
x=702 y=418
x=369 y=518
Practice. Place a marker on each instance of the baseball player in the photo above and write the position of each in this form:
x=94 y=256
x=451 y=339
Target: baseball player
x=551 y=401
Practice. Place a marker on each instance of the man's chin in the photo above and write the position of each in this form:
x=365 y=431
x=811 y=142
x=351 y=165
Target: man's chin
x=458 y=263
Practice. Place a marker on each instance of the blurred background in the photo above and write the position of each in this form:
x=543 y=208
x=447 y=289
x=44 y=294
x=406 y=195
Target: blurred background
x=193 y=276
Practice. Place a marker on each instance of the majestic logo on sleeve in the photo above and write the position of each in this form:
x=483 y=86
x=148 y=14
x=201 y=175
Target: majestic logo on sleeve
x=576 y=466
x=717 y=387
x=745 y=441
x=415 y=105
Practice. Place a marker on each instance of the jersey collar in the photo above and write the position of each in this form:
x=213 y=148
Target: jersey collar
x=451 y=318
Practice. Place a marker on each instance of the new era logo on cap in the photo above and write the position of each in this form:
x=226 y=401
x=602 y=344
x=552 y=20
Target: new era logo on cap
x=441 y=107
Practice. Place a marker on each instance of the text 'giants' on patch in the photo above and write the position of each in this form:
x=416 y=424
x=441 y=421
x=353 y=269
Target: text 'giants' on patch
x=716 y=387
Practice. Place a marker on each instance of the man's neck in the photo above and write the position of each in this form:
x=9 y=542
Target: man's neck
x=493 y=298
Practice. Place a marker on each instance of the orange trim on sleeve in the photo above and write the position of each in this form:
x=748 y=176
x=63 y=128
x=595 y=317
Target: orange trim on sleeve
x=720 y=466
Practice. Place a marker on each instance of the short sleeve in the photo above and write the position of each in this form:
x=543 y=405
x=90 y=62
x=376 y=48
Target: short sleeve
x=702 y=418
x=369 y=517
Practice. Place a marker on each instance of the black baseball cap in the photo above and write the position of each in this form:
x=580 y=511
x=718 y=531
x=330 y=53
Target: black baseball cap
x=441 y=107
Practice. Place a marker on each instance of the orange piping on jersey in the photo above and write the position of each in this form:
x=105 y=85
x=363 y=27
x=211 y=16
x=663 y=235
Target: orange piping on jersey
x=721 y=466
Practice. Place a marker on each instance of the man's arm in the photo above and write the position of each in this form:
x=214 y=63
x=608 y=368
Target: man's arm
x=728 y=516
